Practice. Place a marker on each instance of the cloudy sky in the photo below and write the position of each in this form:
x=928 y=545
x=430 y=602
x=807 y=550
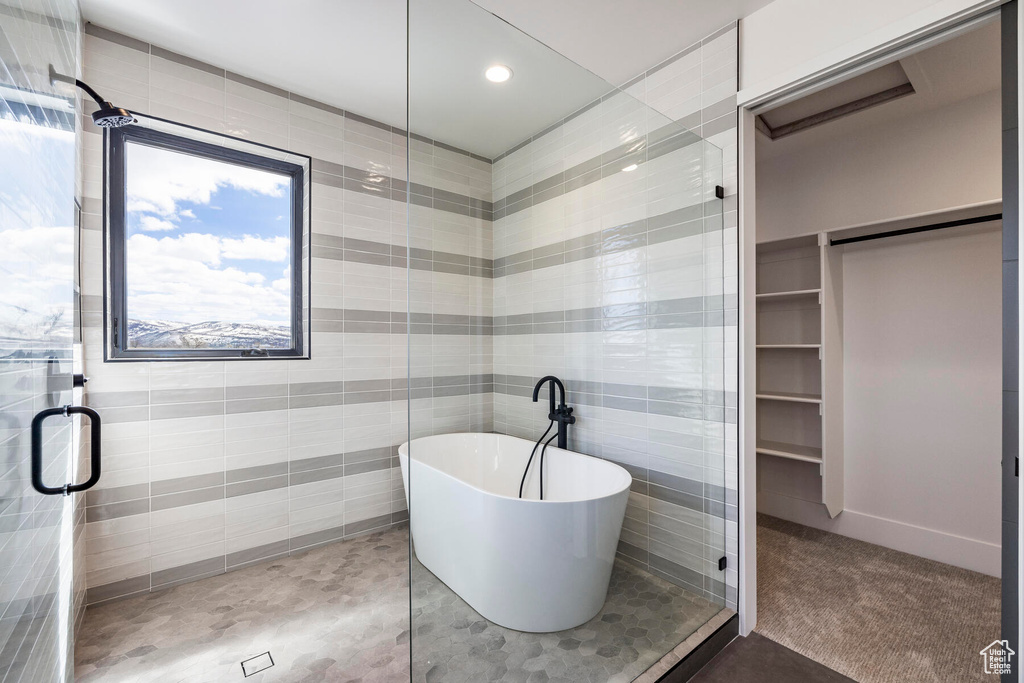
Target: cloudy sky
x=207 y=240
x=37 y=167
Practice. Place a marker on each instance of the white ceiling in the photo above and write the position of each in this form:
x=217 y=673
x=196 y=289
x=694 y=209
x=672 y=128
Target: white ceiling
x=957 y=69
x=352 y=53
x=451 y=44
x=619 y=39
x=347 y=53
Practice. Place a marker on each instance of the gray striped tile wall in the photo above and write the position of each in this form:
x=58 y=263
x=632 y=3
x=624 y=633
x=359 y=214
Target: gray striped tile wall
x=373 y=182
x=211 y=466
x=356 y=339
x=638 y=319
x=398 y=256
x=201 y=569
x=699 y=404
x=122 y=501
x=40 y=586
x=667 y=139
x=135 y=406
x=671 y=225
x=671 y=87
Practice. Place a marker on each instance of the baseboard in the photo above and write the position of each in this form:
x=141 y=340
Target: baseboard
x=940 y=546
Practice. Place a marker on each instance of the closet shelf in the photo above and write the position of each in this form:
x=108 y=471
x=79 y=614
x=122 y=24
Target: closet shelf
x=788 y=346
x=795 y=294
x=789 y=450
x=788 y=396
x=798 y=337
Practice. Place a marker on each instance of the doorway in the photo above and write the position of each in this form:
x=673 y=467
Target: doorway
x=877 y=319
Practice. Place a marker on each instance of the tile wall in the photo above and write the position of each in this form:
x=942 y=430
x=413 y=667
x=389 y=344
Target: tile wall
x=624 y=285
x=40 y=536
x=211 y=466
x=672 y=88
x=540 y=262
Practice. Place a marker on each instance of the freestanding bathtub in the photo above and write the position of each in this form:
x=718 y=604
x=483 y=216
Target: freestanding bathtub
x=525 y=564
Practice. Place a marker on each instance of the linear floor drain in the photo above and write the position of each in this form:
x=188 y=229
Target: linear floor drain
x=257 y=664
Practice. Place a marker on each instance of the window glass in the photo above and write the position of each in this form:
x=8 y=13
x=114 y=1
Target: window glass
x=208 y=253
x=206 y=245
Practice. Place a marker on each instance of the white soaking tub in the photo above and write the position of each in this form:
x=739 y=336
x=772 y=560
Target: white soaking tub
x=525 y=564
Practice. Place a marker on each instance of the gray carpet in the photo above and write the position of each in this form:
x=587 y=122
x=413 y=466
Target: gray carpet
x=870 y=613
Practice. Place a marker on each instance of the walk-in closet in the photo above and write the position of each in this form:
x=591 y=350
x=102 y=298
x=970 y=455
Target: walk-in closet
x=878 y=363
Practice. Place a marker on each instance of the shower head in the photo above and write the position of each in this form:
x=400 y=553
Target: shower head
x=107 y=116
x=112 y=117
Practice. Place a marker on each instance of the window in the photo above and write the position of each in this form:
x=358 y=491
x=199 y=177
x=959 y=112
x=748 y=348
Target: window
x=204 y=242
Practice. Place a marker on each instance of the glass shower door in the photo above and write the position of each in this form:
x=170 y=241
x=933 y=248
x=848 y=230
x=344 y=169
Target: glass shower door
x=37 y=309
x=38 y=590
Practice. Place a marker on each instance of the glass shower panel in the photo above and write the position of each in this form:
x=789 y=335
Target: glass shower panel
x=558 y=227
x=38 y=591
x=719 y=409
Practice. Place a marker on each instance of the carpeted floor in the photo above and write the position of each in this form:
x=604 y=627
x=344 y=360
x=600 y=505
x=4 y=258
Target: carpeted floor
x=873 y=614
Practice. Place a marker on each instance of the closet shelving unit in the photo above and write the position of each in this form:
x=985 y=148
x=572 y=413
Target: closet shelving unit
x=799 y=358
x=800 y=339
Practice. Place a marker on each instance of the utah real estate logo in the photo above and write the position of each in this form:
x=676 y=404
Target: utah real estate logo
x=997 y=657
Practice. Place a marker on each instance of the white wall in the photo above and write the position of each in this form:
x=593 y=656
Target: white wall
x=940 y=159
x=790 y=40
x=922 y=372
x=923 y=369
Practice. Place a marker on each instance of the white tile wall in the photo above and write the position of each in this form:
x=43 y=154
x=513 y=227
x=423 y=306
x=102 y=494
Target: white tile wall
x=682 y=511
x=247 y=461
x=168 y=512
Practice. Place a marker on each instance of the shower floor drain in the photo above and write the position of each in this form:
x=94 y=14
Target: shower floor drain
x=257 y=664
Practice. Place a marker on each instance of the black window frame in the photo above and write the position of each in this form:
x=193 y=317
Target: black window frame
x=116 y=141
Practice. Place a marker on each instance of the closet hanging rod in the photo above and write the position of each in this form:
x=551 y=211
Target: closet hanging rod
x=922 y=228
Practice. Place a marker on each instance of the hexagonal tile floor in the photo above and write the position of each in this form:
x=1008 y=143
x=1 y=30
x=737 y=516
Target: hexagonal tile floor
x=336 y=613
x=643 y=618
x=341 y=613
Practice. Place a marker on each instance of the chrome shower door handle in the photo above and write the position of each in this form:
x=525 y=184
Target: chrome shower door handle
x=37 y=450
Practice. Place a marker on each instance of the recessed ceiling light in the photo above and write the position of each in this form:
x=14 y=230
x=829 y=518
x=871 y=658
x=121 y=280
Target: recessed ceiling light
x=499 y=73
x=631 y=167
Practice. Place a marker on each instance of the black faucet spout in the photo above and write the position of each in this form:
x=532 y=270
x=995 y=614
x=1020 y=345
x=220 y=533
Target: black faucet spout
x=561 y=392
x=562 y=414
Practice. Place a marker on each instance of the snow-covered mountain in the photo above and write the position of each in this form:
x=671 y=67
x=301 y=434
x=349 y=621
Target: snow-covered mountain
x=21 y=328
x=141 y=327
x=165 y=334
